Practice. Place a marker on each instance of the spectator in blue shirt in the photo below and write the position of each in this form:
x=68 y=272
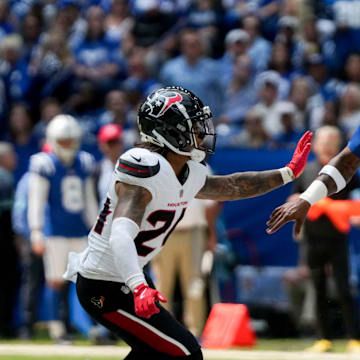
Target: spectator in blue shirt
x=288 y=34
x=97 y=58
x=67 y=20
x=194 y=71
x=52 y=66
x=289 y=135
x=237 y=43
x=328 y=87
x=13 y=68
x=259 y=48
x=21 y=135
x=207 y=16
x=31 y=28
x=240 y=95
x=139 y=80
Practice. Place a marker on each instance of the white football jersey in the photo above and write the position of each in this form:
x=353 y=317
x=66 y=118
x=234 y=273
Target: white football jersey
x=169 y=201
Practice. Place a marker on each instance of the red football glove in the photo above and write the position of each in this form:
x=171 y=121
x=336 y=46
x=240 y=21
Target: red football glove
x=298 y=161
x=145 y=298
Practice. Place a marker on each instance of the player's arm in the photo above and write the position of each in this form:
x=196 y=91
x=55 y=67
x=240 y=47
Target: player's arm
x=240 y=185
x=332 y=178
x=38 y=196
x=249 y=184
x=127 y=218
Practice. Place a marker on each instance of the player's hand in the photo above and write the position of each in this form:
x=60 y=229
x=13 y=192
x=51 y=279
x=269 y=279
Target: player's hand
x=144 y=300
x=37 y=242
x=301 y=153
x=291 y=211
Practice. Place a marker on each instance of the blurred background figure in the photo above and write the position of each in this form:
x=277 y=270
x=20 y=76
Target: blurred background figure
x=118 y=110
x=32 y=263
x=111 y=146
x=236 y=44
x=240 y=93
x=254 y=134
x=181 y=260
x=291 y=131
x=22 y=136
x=327 y=248
x=118 y=22
x=63 y=180
x=268 y=85
x=195 y=71
x=9 y=265
x=49 y=108
x=259 y=48
x=349 y=117
x=97 y=57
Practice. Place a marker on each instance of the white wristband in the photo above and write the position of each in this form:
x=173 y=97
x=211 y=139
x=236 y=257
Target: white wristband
x=315 y=192
x=335 y=174
x=286 y=174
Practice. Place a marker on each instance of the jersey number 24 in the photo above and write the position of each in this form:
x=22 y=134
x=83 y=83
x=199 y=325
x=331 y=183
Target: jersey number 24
x=165 y=216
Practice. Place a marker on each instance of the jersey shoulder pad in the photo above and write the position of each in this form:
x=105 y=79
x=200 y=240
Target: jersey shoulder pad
x=42 y=164
x=87 y=162
x=138 y=162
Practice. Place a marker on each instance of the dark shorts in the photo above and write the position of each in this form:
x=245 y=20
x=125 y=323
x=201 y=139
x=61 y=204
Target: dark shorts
x=112 y=305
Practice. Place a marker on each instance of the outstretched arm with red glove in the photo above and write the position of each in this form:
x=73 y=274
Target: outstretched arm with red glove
x=253 y=183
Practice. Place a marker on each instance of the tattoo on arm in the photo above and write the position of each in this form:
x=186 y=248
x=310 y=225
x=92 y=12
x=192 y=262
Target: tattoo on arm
x=240 y=185
x=132 y=201
x=347 y=163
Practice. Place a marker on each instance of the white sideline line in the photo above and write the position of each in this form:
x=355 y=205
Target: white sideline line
x=121 y=351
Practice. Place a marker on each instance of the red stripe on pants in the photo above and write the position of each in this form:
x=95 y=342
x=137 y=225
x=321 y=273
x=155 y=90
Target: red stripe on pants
x=144 y=334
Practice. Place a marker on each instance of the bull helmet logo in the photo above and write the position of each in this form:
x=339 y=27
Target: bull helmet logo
x=99 y=302
x=160 y=103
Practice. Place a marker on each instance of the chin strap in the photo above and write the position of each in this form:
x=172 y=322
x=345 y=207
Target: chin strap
x=197 y=155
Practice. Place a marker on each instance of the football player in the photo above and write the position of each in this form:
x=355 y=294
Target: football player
x=62 y=179
x=151 y=187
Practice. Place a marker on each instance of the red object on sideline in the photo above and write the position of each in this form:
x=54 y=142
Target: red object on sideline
x=228 y=325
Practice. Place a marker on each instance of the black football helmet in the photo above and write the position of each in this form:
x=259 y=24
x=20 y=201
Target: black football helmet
x=174 y=117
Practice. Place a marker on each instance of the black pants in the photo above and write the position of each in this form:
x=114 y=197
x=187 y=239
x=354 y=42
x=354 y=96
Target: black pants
x=9 y=268
x=323 y=251
x=160 y=337
x=32 y=286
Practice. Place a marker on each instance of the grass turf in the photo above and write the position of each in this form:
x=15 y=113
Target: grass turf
x=262 y=344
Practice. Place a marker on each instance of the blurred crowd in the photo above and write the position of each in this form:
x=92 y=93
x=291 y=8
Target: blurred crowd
x=267 y=68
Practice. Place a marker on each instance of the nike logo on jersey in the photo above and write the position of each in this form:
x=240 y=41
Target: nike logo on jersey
x=143 y=294
x=137 y=159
